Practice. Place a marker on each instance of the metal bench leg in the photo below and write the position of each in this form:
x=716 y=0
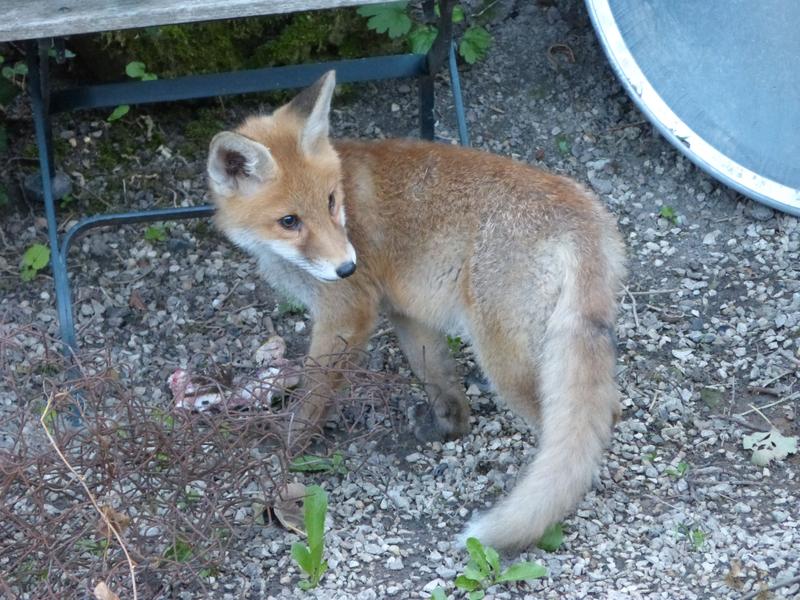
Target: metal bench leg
x=443 y=48
x=39 y=89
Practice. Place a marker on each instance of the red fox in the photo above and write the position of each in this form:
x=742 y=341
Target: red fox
x=523 y=264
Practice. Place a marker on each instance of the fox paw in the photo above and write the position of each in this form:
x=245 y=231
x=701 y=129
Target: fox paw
x=451 y=423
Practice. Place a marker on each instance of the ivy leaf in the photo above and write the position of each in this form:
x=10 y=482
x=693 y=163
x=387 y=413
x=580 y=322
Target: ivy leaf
x=474 y=44
x=522 y=571
x=390 y=18
x=118 y=113
x=135 y=69
x=422 y=38
x=768 y=446
x=552 y=538
x=36 y=257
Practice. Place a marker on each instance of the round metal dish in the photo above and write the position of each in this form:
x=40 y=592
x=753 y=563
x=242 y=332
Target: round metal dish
x=720 y=79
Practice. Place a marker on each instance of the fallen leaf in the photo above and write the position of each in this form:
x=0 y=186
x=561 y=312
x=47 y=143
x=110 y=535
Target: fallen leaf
x=288 y=507
x=768 y=446
x=271 y=350
x=119 y=521
x=101 y=592
x=135 y=301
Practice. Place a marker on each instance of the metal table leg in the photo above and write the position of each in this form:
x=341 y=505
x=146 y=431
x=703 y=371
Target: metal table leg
x=39 y=90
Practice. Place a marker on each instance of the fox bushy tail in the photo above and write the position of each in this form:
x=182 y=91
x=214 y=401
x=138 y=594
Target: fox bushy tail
x=579 y=404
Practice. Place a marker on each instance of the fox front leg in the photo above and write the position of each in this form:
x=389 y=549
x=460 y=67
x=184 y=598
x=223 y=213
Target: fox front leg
x=337 y=342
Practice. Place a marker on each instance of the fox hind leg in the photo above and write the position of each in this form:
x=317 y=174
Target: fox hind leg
x=446 y=416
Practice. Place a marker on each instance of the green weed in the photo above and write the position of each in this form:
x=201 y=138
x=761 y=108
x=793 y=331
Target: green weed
x=483 y=570
x=309 y=556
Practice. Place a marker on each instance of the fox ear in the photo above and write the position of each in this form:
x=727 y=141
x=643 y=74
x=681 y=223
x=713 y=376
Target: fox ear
x=237 y=163
x=314 y=105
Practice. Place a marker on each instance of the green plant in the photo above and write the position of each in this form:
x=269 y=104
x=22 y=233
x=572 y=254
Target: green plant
x=397 y=21
x=695 y=535
x=454 y=343
x=135 y=70
x=179 y=551
x=96 y=547
x=438 y=593
x=678 y=471
x=155 y=233
x=34 y=260
x=483 y=570
x=563 y=145
x=309 y=556
x=552 y=539
x=668 y=213
x=308 y=463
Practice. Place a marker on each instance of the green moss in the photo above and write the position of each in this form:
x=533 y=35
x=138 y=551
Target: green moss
x=175 y=50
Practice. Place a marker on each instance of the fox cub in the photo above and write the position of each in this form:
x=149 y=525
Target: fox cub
x=523 y=264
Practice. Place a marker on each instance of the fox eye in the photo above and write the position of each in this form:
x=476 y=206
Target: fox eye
x=331 y=202
x=290 y=222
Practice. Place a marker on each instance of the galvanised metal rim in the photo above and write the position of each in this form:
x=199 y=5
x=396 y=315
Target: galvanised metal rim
x=762 y=189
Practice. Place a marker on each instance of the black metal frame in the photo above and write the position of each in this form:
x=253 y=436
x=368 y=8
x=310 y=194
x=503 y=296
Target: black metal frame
x=45 y=103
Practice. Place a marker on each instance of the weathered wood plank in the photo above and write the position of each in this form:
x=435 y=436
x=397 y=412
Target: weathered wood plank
x=29 y=19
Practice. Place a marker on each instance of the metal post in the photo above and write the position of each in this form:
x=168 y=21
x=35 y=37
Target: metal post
x=39 y=89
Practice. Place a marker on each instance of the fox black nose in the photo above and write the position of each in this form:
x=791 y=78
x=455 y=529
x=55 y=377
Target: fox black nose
x=346 y=269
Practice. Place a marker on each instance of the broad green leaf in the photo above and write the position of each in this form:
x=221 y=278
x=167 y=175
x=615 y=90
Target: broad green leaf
x=391 y=18
x=467 y=584
x=315 y=506
x=21 y=68
x=522 y=571
x=768 y=446
x=476 y=552
x=493 y=558
x=552 y=538
x=8 y=72
x=305 y=585
x=302 y=557
x=458 y=14
x=473 y=571
x=118 y=113
x=422 y=38
x=135 y=69
x=26 y=273
x=476 y=595
x=438 y=593
x=149 y=77
x=309 y=463
x=36 y=257
x=474 y=44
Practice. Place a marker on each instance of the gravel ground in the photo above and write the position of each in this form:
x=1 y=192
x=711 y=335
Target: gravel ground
x=708 y=327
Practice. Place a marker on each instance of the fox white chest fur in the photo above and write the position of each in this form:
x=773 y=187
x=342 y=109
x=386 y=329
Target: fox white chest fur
x=440 y=239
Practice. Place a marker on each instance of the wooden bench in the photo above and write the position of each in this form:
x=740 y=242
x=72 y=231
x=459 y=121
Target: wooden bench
x=41 y=23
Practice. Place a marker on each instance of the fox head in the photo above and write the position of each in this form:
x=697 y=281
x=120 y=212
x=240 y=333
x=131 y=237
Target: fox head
x=276 y=181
